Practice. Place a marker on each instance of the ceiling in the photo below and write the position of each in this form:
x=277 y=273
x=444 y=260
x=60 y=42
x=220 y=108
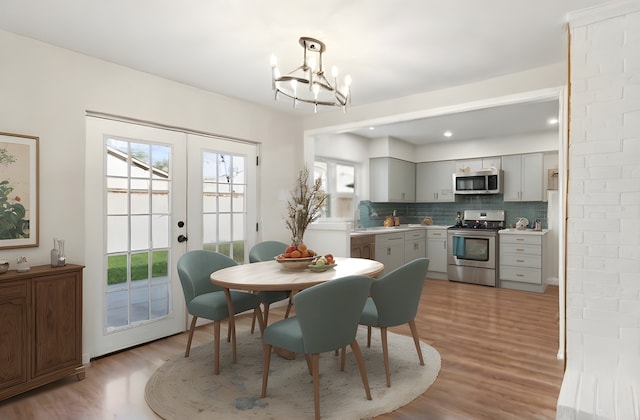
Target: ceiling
x=391 y=49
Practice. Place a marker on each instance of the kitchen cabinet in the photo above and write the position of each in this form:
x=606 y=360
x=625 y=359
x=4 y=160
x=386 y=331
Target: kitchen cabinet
x=437 y=252
x=523 y=261
x=41 y=328
x=392 y=180
x=363 y=246
x=414 y=245
x=523 y=177
x=478 y=164
x=389 y=250
x=434 y=181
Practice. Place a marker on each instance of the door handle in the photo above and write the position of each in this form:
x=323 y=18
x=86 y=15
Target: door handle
x=182 y=238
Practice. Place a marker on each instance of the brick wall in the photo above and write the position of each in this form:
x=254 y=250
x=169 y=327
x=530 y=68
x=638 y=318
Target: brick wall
x=603 y=263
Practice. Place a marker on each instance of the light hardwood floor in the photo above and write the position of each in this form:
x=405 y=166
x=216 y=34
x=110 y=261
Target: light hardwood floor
x=498 y=350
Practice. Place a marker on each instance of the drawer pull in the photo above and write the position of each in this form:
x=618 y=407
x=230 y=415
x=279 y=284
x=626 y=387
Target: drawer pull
x=519 y=275
x=520 y=261
x=520 y=239
x=519 y=249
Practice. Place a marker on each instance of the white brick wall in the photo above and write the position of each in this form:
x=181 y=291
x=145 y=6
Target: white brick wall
x=603 y=264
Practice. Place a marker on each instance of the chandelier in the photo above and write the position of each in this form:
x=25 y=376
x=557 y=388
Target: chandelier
x=308 y=82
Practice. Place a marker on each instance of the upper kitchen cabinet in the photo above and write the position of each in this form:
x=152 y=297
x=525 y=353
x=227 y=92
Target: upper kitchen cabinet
x=474 y=165
x=392 y=180
x=434 y=181
x=523 y=179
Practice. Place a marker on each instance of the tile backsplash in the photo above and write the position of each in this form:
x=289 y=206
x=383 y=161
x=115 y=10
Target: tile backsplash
x=373 y=214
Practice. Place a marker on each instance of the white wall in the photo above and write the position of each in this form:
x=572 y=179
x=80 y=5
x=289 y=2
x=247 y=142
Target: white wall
x=45 y=91
x=603 y=284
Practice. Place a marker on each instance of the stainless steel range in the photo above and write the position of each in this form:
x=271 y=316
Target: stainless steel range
x=472 y=247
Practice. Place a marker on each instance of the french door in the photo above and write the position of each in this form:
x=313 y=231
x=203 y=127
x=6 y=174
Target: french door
x=156 y=194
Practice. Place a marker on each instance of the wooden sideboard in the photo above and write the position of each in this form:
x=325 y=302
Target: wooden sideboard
x=40 y=326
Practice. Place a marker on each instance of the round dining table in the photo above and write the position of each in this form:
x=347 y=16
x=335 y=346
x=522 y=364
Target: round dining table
x=271 y=276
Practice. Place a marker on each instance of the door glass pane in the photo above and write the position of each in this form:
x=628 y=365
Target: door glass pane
x=223 y=203
x=138 y=232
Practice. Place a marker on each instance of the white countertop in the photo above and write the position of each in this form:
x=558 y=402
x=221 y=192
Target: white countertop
x=523 y=232
x=402 y=228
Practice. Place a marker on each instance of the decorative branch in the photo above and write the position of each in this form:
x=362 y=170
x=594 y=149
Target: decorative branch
x=305 y=205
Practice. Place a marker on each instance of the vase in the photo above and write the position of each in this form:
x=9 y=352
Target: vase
x=62 y=259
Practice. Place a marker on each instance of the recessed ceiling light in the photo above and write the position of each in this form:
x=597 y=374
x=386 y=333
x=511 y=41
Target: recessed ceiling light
x=447 y=134
x=552 y=121
x=372 y=128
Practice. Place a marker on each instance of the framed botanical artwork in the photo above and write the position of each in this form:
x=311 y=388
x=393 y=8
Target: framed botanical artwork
x=18 y=191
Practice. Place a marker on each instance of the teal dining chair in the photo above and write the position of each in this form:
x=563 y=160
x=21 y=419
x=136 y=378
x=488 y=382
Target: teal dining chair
x=394 y=301
x=326 y=320
x=206 y=300
x=267 y=251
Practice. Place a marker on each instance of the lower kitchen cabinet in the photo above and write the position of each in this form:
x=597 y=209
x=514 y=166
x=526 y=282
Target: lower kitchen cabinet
x=363 y=246
x=390 y=250
x=41 y=328
x=414 y=245
x=437 y=253
x=523 y=261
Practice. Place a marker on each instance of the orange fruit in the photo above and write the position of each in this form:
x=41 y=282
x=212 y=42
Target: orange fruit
x=296 y=254
x=311 y=252
x=305 y=253
x=302 y=247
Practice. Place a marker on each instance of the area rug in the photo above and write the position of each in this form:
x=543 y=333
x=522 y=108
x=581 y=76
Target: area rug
x=186 y=388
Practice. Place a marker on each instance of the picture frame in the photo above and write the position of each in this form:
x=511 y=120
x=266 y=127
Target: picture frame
x=19 y=182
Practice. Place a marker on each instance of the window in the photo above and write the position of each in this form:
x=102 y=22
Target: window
x=338 y=180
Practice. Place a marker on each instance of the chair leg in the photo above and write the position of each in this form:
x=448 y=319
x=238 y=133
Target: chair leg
x=385 y=354
x=315 y=369
x=416 y=340
x=363 y=370
x=265 y=373
x=191 y=330
x=309 y=367
x=216 y=347
x=368 y=336
x=343 y=358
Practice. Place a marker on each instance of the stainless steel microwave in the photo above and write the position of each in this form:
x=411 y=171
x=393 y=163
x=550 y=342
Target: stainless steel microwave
x=486 y=181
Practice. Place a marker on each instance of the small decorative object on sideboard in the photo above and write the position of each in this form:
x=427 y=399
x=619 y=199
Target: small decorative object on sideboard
x=54 y=254
x=22 y=265
x=62 y=259
x=4 y=266
x=58 y=258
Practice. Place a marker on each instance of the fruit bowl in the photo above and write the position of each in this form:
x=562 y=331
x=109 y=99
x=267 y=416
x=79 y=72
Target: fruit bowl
x=294 y=264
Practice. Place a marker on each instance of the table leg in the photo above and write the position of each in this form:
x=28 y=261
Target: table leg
x=232 y=323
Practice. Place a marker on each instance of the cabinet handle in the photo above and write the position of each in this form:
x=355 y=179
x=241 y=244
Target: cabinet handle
x=519 y=249
x=520 y=239
x=444 y=244
x=520 y=261
x=519 y=275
